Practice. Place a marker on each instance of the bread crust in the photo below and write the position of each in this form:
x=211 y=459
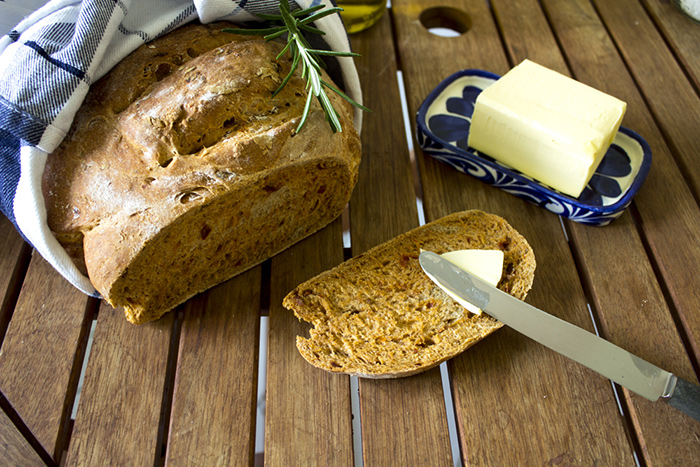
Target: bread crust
x=181 y=170
x=378 y=315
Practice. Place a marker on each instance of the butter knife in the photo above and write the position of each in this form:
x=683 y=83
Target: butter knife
x=576 y=343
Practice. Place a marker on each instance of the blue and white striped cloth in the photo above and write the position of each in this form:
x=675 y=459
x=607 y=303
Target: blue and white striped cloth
x=49 y=60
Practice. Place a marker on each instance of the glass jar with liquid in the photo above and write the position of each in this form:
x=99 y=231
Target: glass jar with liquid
x=358 y=15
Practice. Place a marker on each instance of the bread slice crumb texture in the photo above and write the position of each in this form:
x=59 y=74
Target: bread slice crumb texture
x=378 y=315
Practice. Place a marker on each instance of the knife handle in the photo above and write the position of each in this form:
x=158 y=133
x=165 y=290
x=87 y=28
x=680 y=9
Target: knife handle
x=686 y=398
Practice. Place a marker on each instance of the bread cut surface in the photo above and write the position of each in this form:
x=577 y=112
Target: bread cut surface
x=378 y=315
x=181 y=170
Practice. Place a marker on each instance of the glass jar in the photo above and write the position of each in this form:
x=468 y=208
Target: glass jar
x=358 y=15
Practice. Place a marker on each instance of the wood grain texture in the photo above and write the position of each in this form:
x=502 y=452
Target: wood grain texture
x=634 y=315
x=509 y=391
x=666 y=205
x=682 y=35
x=14 y=447
x=39 y=359
x=117 y=422
x=308 y=415
x=516 y=402
x=631 y=306
x=383 y=204
x=393 y=412
x=214 y=401
x=14 y=258
x=404 y=421
x=661 y=80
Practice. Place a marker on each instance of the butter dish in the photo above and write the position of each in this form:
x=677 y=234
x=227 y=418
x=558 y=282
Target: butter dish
x=443 y=123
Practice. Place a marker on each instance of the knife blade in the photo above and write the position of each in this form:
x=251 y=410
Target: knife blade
x=576 y=343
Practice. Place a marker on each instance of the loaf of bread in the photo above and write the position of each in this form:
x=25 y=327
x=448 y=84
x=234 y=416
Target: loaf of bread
x=378 y=315
x=181 y=170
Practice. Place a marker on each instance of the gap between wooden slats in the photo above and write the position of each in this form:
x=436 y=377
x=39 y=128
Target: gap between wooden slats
x=357 y=438
x=629 y=24
x=13 y=269
x=664 y=35
x=20 y=446
x=444 y=369
x=263 y=349
x=480 y=55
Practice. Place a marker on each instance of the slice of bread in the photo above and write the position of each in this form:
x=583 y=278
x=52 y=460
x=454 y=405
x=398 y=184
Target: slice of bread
x=378 y=315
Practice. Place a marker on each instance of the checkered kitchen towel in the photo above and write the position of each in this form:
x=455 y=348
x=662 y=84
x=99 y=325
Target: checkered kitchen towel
x=49 y=60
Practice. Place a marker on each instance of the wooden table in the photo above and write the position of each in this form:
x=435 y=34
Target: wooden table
x=184 y=390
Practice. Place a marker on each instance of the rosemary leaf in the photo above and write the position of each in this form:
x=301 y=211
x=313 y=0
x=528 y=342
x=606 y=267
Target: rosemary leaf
x=293 y=23
x=331 y=113
x=311 y=29
x=286 y=79
x=333 y=53
x=267 y=17
x=345 y=96
x=305 y=113
x=307 y=11
x=317 y=16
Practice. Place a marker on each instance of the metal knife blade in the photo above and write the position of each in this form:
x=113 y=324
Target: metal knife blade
x=571 y=341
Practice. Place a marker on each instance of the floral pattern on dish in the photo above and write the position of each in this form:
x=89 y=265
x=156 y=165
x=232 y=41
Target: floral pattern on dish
x=443 y=125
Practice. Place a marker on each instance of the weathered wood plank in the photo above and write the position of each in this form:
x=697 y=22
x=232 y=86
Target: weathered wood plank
x=514 y=399
x=516 y=402
x=404 y=421
x=682 y=35
x=50 y=320
x=214 y=399
x=14 y=259
x=118 y=417
x=393 y=412
x=383 y=203
x=14 y=447
x=631 y=306
x=308 y=414
x=666 y=204
x=660 y=78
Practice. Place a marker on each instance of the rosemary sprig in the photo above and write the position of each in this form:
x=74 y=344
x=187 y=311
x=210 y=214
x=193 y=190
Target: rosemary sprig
x=293 y=23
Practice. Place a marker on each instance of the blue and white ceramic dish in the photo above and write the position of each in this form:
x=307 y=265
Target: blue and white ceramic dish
x=443 y=125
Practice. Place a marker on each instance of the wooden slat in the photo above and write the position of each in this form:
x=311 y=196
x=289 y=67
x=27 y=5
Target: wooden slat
x=681 y=33
x=667 y=206
x=404 y=421
x=213 y=414
x=14 y=258
x=39 y=361
x=660 y=79
x=308 y=413
x=635 y=316
x=14 y=447
x=117 y=422
x=393 y=412
x=663 y=194
x=515 y=400
x=383 y=203
x=631 y=306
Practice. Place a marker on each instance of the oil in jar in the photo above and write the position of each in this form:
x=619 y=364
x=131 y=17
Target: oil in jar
x=361 y=14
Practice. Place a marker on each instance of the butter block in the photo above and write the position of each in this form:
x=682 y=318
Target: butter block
x=546 y=125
